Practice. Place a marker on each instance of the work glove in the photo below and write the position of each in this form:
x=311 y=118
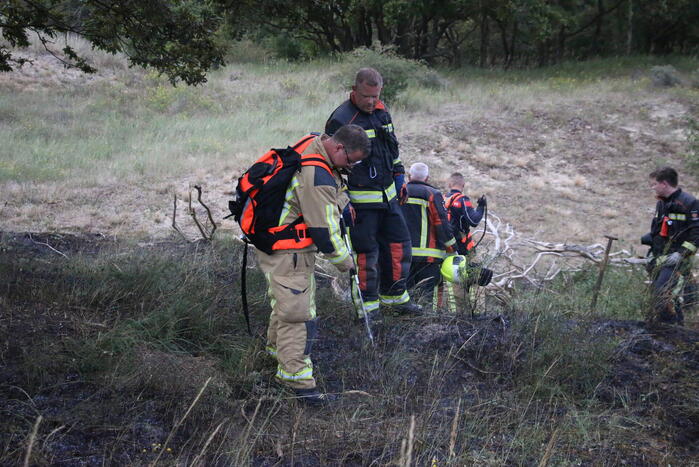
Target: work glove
x=673 y=259
x=401 y=188
x=482 y=202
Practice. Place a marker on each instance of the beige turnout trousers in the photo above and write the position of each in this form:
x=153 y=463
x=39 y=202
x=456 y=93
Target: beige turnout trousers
x=292 y=324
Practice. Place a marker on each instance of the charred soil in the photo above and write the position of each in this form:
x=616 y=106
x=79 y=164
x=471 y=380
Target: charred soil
x=85 y=364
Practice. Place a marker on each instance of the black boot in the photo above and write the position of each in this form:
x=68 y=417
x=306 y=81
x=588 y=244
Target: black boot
x=312 y=397
x=407 y=309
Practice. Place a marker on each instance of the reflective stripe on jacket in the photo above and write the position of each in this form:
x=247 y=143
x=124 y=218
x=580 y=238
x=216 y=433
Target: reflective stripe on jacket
x=371 y=180
x=430 y=231
x=318 y=196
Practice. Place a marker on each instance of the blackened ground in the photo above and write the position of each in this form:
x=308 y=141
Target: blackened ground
x=95 y=421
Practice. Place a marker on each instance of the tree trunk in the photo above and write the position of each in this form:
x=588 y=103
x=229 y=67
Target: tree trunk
x=485 y=37
x=629 y=28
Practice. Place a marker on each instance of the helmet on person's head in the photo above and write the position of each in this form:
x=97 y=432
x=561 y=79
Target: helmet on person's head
x=455 y=269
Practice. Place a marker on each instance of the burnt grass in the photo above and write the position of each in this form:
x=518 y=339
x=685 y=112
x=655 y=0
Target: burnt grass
x=131 y=354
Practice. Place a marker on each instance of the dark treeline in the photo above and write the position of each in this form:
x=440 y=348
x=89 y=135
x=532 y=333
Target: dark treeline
x=479 y=32
x=184 y=38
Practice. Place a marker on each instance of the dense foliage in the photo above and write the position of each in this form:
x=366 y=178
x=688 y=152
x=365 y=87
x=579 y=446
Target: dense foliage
x=175 y=37
x=185 y=38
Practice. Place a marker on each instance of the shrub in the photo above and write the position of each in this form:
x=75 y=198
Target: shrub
x=398 y=73
x=665 y=76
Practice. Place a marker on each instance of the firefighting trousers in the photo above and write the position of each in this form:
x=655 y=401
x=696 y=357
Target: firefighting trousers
x=668 y=293
x=425 y=280
x=381 y=241
x=292 y=325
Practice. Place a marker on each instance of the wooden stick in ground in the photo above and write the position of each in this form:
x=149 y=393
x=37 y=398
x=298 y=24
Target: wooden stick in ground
x=602 y=268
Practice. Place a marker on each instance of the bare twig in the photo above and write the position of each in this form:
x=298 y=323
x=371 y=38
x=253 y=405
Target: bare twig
x=32 y=438
x=174 y=217
x=208 y=212
x=47 y=245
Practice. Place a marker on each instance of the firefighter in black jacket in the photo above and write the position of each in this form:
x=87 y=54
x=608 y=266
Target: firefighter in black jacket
x=462 y=214
x=673 y=238
x=378 y=232
x=431 y=234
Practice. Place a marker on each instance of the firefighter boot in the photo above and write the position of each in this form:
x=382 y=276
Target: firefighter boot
x=409 y=308
x=313 y=397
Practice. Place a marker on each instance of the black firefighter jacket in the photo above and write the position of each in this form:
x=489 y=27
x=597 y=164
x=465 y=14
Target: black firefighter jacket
x=371 y=183
x=675 y=226
x=430 y=230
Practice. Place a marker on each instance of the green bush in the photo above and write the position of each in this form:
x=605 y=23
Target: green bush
x=398 y=73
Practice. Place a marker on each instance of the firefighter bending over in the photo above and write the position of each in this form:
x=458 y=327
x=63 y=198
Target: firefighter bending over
x=316 y=197
x=673 y=239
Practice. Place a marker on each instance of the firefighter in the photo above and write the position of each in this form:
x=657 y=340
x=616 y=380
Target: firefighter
x=317 y=194
x=462 y=215
x=431 y=234
x=673 y=238
x=376 y=185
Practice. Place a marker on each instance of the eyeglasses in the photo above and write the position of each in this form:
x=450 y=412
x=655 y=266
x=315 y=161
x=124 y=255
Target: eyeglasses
x=350 y=162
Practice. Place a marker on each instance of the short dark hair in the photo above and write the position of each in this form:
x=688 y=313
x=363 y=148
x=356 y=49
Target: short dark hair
x=353 y=138
x=665 y=174
x=369 y=76
x=456 y=179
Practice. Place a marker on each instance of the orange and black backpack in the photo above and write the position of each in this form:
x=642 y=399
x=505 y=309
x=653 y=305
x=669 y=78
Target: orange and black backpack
x=260 y=198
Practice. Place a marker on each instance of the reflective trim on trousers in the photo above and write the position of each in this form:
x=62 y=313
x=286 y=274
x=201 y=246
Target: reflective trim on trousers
x=369 y=306
x=690 y=246
x=271 y=350
x=394 y=299
x=304 y=374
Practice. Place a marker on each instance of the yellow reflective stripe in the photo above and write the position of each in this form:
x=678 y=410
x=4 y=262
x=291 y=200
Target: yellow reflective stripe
x=690 y=246
x=388 y=126
x=369 y=306
x=677 y=216
x=365 y=196
x=435 y=297
x=394 y=299
x=271 y=351
x=371 y=133
x=303 y=374
x=451 y=299
x=432 y=252
x=287 y=199
x=418 y=201
x=397 y=161
x=272 y=300
x=312 y=299
x=423 y=228
x=450 y=242
x=341 y=251
x=390 y=191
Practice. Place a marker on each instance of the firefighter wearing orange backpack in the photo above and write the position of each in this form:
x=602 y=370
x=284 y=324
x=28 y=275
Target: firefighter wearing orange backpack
x=673 y=241
x=462 y=214
x=314 y=200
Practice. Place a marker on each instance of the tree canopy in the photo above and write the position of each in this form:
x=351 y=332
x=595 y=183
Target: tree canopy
x=182 y=38
x=175 y=38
